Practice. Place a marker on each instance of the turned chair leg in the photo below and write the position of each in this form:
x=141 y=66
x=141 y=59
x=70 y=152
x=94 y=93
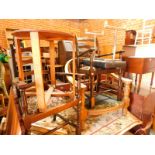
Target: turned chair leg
x=78 y=128
x=119 y=94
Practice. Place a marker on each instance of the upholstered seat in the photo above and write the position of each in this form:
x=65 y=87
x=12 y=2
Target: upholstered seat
x=104 y=63
x=100 y=66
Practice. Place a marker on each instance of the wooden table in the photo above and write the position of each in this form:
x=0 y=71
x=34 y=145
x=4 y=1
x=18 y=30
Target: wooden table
x=140 y=65
x=35 y=36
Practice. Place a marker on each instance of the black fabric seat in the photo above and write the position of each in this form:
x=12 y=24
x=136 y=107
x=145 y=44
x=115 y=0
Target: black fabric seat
x=104 y=63
x=100 y=66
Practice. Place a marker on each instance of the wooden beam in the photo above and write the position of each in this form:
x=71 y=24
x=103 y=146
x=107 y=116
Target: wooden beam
x=19 y=59
x=38 y=71
x=52 y=62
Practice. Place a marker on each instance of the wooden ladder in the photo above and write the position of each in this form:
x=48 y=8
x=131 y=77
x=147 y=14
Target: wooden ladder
x=144 y=36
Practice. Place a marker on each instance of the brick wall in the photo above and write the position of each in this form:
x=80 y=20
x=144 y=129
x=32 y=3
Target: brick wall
x=72 y=26
x=106 y=41
x=77 y=27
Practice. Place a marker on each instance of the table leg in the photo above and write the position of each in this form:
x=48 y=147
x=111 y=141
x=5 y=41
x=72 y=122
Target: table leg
x=139 y=82
x=152 y=77
x=119 y=94
x=92 y=74
x=98 y=82
x=92 y=98
x=135 y=83
x=37 y=65
x=136 y=80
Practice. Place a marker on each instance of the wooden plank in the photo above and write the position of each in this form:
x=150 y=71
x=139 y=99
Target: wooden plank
x=19 y=59
x=52 y=62
x=38 y=71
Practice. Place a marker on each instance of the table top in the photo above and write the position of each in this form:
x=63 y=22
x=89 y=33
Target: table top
x=43 y=34
x=138 y=57
x=140 y=45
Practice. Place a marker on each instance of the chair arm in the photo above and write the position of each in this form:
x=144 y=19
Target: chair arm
x=69 y=78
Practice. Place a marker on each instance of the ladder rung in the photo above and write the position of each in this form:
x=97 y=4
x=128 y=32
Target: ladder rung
x=145 y=30
x=148 y=26
x=85 y=39
x=143 y=38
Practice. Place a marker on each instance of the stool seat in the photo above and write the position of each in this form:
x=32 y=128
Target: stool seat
x=105 y=63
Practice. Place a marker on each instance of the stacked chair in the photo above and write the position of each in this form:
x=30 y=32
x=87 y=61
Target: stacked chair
x=44 y=94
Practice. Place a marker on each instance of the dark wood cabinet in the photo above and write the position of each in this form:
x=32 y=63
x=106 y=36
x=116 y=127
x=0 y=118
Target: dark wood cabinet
x=130 y=37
